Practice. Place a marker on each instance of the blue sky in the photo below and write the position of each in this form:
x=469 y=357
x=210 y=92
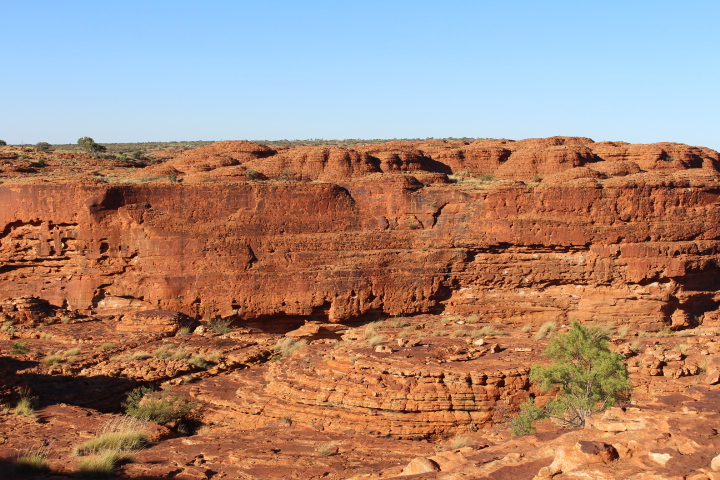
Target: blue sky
x=133 y=71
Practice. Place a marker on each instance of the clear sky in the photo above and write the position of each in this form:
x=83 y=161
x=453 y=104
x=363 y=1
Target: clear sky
x=151 y=70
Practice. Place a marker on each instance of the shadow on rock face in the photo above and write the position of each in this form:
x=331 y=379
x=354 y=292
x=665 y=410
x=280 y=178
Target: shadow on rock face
x=102 y=393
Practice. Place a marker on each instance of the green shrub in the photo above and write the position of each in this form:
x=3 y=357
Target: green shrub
x=220 y=325
x=19 y=348
x=198 y=361
x=587 y=375
x=523 y=423
x=3 y=143
x=42 y=147
x=89 y=145
x=159 y=407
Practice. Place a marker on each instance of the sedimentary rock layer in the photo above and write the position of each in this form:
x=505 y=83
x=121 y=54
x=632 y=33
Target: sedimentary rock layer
x=564 y=228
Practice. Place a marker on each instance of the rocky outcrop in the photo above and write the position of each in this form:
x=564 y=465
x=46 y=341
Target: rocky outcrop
x=536 y=230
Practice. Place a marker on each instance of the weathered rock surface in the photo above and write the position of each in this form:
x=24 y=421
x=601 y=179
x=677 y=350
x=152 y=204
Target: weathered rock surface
x=612 y=232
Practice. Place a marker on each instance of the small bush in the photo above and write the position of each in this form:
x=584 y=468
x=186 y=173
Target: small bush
x=472 y=319
x=440 y=333
x=623 y=331
x=159 y=407
x=526 y=328
x=461 y=333
x=547 y=328
x=220 y=325
x=42 y=147
x=523 y=424
x=198 y=361
x=287 y=346
x=19 y=348
x=107 y=346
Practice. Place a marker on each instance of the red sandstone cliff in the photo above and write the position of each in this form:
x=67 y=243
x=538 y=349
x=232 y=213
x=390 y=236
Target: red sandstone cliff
x=565 y=228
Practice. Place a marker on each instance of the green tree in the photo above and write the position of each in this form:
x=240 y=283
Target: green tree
x=89 y=145
x=588 y=378
x=3 y=143
x=42 y=147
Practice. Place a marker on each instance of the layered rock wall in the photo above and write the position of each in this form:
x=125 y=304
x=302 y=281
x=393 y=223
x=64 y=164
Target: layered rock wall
x=631 y=238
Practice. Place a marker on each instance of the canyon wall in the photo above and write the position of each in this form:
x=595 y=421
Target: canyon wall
x=521 y=232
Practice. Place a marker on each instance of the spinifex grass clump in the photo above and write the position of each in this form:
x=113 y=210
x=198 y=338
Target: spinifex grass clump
x=102 y=464
x=122 y=434
x=287 y=346
x=32 y=462
x=25 y=407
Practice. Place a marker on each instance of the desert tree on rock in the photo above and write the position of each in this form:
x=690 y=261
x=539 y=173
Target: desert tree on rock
x=587 y=376
x=89 y=145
